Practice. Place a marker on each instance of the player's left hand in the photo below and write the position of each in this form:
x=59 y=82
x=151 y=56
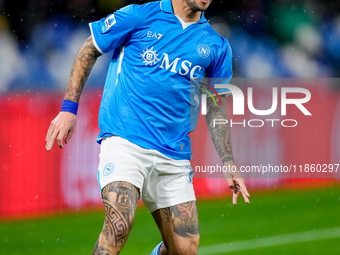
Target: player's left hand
x=236 y=182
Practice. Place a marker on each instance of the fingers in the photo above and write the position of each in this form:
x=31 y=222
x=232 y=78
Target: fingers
x=63 y=125
x=69 y=135
x=60 y=137
x=234 y=187
x=245 y=197
x=237 y=186
x=50 y=139
x=235 y=195
x=49 y=132
x=244 y=192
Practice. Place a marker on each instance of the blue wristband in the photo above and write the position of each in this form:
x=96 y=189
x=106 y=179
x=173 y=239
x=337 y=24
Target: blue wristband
x=69 y=106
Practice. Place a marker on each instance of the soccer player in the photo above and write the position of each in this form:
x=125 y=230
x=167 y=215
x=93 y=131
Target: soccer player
x=145 y=117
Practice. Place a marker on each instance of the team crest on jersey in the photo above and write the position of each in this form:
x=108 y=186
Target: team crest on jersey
x=203 y=50
x=110 y=21
x=149 y=56
x=108 y=169
x=191 y=173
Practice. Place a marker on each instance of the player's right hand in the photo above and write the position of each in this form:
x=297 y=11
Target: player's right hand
x=62 y=126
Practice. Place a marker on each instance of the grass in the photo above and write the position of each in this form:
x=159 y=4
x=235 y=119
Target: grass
x=269 y=214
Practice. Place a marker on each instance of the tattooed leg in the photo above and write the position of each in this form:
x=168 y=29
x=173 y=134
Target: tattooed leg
x=178 y=225
x=120 y=202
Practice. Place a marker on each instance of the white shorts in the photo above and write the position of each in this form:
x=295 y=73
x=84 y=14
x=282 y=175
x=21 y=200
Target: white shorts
x=163 y=181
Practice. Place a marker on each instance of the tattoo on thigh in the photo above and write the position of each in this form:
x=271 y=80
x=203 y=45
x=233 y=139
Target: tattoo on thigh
x=184 y=218
x=120 y=202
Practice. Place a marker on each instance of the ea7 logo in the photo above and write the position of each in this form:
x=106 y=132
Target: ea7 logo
x=155 y=35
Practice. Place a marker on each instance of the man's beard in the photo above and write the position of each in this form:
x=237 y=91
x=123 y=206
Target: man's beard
x=193 y=6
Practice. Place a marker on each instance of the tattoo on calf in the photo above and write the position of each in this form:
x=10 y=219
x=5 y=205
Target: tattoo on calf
x=184 y=217
x=120 y=202
x=117 y=226
x=99 y=250
x=167 y=213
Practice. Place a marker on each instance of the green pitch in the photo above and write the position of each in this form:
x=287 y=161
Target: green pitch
x=280 y=222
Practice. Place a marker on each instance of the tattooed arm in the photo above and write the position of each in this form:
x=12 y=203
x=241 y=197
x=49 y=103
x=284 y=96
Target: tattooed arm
x=82 y=66
x=220 y=136
x=65 y=123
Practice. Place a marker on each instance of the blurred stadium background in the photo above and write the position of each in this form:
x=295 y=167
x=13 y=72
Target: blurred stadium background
x=50 y=202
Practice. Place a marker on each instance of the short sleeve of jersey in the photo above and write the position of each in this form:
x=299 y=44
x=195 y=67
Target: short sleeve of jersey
x=111 y=32
x=221 y=67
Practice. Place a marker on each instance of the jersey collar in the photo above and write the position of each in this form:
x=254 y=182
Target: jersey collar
x=167 y=7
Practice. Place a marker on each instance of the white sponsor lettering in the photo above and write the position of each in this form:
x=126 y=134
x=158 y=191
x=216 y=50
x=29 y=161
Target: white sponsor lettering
x=155 y=35
x=167 y=65
x=185 y=66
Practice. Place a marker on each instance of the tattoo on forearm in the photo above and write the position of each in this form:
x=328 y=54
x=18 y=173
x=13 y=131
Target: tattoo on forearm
x=82 y=66
x=184 y=217
x=120 y=202
x=220 y=134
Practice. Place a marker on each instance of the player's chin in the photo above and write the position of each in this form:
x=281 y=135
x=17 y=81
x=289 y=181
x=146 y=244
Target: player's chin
x=204 y=4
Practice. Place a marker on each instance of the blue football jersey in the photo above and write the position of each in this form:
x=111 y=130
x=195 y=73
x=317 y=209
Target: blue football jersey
x=148 y=97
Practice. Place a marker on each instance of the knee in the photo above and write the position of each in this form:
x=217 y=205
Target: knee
x=185 y=247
